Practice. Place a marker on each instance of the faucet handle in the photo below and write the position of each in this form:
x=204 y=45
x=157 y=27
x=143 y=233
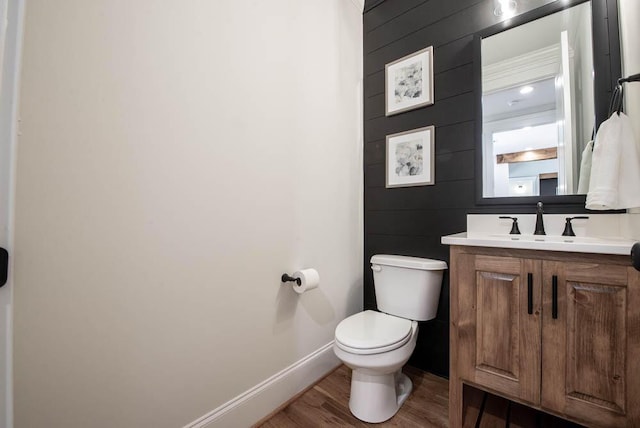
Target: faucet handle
x=568 y=229
x=515 y=230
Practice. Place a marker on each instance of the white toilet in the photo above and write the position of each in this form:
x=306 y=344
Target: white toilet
x=375 y=345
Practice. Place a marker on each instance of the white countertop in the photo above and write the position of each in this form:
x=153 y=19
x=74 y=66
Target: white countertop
x=549 y=243
x=600 y=234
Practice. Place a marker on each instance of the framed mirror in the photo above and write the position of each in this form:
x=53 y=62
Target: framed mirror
x=543 y=87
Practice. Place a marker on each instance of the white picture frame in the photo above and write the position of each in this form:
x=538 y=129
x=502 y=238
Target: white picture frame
x=410 y=158
x=409 y=82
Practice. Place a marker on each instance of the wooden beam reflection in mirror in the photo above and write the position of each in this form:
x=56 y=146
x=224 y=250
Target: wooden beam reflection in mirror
x=528 y=155
x=548 y=176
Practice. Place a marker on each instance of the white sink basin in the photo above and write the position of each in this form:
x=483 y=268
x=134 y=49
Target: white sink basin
x=543 y=242
x=562 y=239
x=600 y=234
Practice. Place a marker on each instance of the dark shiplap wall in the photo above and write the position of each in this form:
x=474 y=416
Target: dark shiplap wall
x=411 y=220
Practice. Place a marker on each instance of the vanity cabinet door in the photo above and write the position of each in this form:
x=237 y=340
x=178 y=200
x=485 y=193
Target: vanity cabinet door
x=498 y=324
x=590 y=342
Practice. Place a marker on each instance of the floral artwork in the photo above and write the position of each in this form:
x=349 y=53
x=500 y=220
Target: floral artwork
x=410 y=158
x=409 y=82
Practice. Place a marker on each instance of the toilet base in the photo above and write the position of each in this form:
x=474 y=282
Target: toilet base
x=376 y=398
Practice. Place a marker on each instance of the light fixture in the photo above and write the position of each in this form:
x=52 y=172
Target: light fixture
x=505 y=8
x=526 y=90
x=519 y=188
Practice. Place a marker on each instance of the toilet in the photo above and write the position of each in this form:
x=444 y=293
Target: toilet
x=376 y=345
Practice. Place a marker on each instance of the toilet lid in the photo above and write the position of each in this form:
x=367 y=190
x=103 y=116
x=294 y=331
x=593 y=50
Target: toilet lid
x=372 y=330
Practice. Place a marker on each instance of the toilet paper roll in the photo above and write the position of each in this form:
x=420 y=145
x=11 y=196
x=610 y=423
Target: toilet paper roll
x=309 y=279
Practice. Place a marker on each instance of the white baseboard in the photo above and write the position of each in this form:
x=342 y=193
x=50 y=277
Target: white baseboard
x=249 y=407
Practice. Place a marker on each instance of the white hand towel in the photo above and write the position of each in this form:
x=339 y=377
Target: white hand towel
x=615 y=170
x=629 y=178
x=585 y=169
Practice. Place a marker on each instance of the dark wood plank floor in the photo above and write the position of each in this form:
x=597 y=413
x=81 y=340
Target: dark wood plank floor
x=327 y=404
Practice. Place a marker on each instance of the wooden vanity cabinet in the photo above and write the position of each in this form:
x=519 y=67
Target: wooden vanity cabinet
x=555 y=331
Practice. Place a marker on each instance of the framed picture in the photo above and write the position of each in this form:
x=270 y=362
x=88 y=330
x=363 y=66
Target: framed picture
x=409 y=82
x=410 y=158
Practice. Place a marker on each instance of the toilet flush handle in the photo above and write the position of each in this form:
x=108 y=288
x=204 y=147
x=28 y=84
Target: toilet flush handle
x=376 y=268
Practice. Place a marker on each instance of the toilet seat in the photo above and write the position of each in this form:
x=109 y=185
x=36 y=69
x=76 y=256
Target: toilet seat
x=372 y=332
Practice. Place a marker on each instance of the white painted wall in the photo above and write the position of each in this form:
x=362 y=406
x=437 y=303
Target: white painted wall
x=175 y=159
x=629 y=14
x=629 y=11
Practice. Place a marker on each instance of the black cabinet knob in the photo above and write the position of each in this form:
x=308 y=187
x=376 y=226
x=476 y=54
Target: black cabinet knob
x=635 y=255
x=4 y=266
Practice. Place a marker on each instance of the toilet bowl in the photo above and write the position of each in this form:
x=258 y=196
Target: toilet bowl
x=376 y=345
x=378 y=386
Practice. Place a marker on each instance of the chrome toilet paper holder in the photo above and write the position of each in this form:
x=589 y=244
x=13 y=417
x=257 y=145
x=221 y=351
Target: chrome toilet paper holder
x=288 y=278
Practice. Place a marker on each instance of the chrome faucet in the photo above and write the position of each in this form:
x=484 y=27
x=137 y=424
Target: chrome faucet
x=539 y=220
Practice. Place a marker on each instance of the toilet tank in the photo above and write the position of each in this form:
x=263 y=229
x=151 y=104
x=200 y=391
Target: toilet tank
x=407 y=287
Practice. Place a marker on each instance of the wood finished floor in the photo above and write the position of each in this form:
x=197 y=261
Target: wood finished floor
x=327 y=404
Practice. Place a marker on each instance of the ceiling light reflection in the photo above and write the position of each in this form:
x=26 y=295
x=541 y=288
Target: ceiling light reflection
x=526 y=90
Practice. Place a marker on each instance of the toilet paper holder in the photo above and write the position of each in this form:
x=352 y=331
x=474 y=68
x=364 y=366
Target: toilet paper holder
x=288 y=278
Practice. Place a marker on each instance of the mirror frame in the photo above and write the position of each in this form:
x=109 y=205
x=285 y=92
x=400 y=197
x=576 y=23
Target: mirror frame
x=607 y=69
